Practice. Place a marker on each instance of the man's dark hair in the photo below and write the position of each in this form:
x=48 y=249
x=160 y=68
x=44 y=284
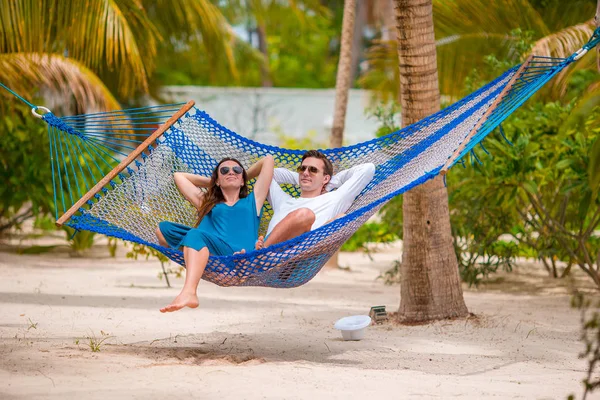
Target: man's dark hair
x=317 y=154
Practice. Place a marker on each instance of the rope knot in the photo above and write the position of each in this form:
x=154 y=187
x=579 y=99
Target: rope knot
x=58 y=123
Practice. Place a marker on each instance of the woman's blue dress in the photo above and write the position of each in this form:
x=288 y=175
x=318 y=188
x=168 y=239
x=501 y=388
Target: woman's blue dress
x=224 y=230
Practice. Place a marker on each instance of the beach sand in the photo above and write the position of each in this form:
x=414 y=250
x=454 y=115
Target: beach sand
x=262 y=343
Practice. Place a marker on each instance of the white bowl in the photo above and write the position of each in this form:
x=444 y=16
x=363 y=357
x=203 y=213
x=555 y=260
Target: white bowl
x=354 y=327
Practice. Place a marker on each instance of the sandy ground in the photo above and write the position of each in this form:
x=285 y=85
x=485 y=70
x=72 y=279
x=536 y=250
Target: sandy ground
x=260 y=343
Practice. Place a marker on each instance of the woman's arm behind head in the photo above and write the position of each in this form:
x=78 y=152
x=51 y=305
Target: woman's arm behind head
x=261 y=187
x=188 y=185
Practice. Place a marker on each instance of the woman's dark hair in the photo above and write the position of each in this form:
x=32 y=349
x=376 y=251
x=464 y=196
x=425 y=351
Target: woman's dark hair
x=214 y=194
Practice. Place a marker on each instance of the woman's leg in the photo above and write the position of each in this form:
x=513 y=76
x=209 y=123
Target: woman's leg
x=161 y=239
x=195 y=262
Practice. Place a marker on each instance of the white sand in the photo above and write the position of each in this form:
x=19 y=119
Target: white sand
x=260 y=343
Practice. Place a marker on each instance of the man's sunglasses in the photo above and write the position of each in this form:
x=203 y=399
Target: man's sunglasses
x=310 y=168
x=225 y=170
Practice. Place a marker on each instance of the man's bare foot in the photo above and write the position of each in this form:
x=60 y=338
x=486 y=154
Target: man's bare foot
x=183 y=300
x=242 y=251
x=260 y=243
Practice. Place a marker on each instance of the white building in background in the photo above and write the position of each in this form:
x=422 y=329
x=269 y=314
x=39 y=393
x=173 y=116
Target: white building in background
x=268 y=114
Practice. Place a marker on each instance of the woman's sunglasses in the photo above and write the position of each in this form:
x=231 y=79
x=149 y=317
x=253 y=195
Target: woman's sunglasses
x=312 y=170
x=225 y=170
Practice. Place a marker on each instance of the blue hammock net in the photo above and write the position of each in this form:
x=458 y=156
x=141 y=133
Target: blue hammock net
x=130 y=207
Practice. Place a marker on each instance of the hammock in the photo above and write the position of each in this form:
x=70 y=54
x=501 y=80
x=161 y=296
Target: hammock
x=136 y=191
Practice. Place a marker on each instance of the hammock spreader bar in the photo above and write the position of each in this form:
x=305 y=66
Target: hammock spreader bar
x=123 y=164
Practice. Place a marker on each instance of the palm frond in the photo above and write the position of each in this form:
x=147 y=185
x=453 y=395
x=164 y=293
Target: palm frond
x=464 y=56
x=110 y=35
x=560 y=83
x=182 y=21
x=492 y=16
x=558 y=14
x=25 y=25
x=458 y=56
x=30 y=73
x=383 y=75
x=469 y=30
x=104 y=35
x=565 y=42
x=584 y=107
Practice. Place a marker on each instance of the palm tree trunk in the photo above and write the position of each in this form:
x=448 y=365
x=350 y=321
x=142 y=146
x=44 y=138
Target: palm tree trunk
x=342 y=86
x=262 y=46
x=430 y=284
x=342 y=83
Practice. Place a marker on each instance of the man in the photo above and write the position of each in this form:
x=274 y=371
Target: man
x=316 y=206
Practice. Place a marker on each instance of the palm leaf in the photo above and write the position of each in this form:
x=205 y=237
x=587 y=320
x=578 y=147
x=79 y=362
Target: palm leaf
x=466 y=32
x=110 y=35
x=383 y=76
x=462 y=56
x=104 y=35
x=558 y=14
x=455 y=57
x=469 y=30
x=565 y=42
x=63 y=78
x=459 y=17
x=584 y=107
x=594 y=168
x=199 y=21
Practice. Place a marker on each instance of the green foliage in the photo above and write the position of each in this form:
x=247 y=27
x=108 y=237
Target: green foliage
x=533 y=199
x=26 y=188
x=138 y=250
x=44 y=222
x=371 y=232
x=117 y=41
x=536 y=199
x=477 y=260
x=112 y=246
x=79 y=241
x=32 y=325
x=392 y=275
x=94 y=343
x=307 y=142
x=389 y=117
x=25 y=170
x=594 y=168
x=306 y=59
x=493 y=66
x=390 y=227
x=299 y=45
x=468 y=31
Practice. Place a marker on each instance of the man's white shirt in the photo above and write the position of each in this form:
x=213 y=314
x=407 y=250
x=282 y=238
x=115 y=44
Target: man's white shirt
x=349 y=184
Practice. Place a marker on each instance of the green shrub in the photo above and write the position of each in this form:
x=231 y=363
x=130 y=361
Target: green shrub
x=371 y=232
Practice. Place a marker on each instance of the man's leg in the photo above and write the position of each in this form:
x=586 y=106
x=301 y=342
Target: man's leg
x=294 y=224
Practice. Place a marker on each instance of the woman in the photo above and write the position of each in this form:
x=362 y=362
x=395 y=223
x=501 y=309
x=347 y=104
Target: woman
x=228 y=215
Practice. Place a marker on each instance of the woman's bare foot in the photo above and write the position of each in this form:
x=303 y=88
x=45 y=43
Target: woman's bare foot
x=183 y=300
x=260 y=243
x=242 y=251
